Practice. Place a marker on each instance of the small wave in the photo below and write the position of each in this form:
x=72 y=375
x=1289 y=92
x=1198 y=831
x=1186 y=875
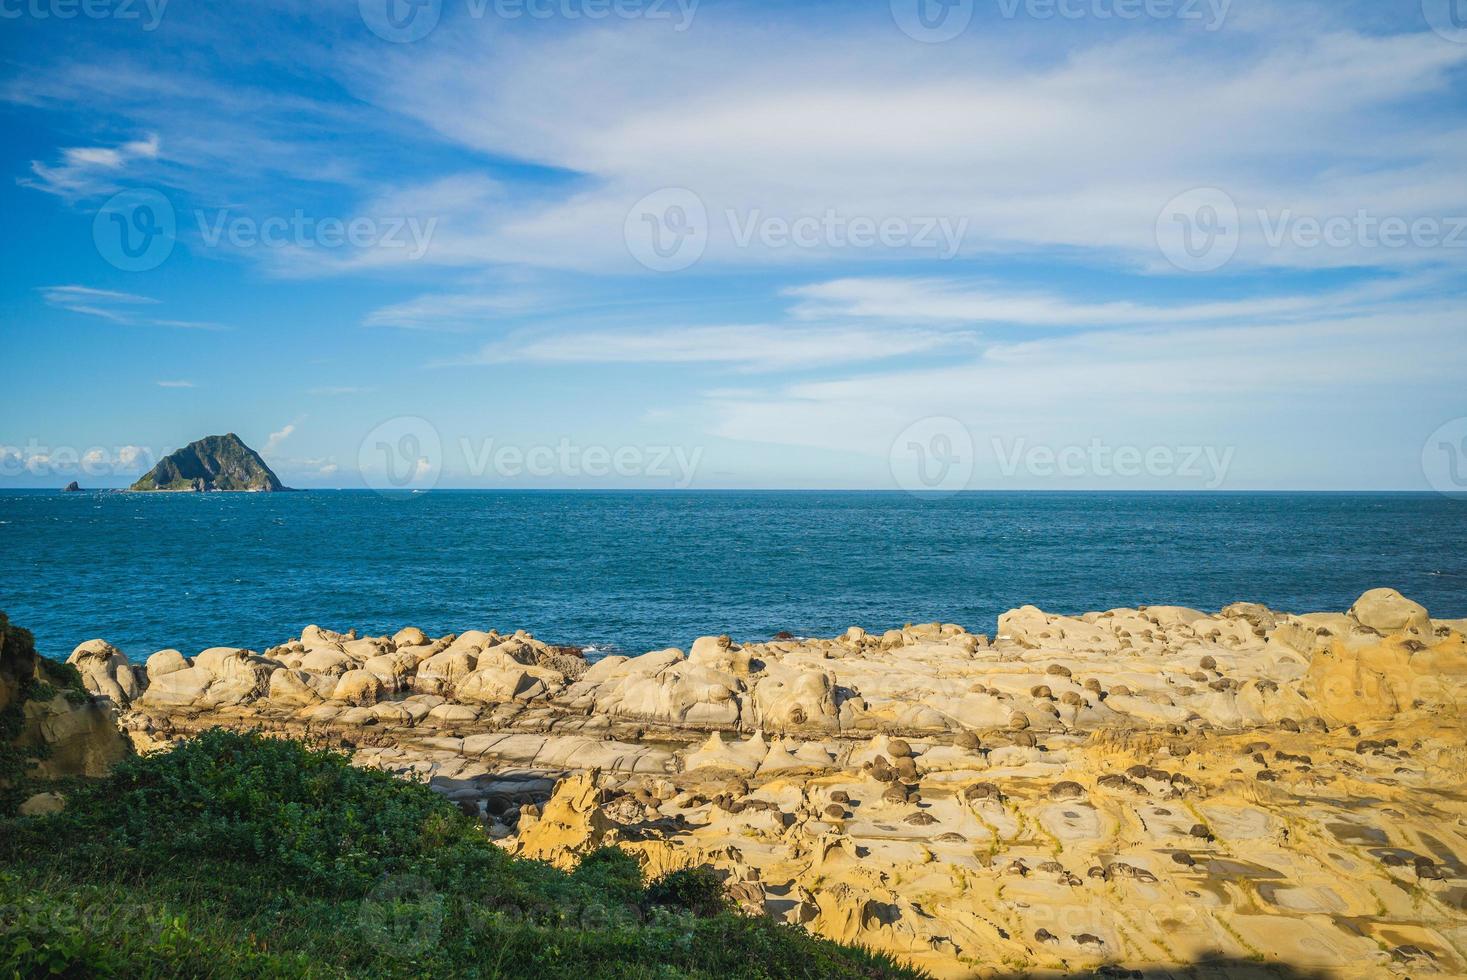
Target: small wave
x=600 y=651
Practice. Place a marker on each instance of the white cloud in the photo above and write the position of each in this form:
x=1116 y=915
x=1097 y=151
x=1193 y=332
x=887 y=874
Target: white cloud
x=958 y=301
x=176 y=384
x=51 y=461
x=278 y=437
x=1074 y=145
x=756 y=346
x=90 y=170
x=1078 y=152
x=1258 y=387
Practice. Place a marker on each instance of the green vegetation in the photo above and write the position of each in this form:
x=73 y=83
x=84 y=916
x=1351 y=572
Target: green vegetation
x=238 y=855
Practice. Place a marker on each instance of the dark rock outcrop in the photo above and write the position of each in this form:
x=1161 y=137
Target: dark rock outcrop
x=50 y=727
x=212 y=463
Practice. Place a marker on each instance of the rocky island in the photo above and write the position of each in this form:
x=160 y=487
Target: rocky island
x=214 y=463
x=1132 y=788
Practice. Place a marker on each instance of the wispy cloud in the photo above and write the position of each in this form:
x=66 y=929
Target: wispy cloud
x=1058 y=144
x=119 y=307
x=89 y=170
x=187 y=324
x=449 y=311
x=1080 y=150
x=277 y=437
x=965 y=302
x=755 y=346
x=1138 y=387
x=340 y=390
x=176 y=384
x=105 y=303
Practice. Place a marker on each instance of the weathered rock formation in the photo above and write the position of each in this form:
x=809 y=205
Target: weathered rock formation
x=212 y=463
x=1142 y=787
x=48 y=730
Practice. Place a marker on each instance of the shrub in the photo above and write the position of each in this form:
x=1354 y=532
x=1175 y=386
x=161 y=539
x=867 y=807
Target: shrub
x=612 y=872
x=696 y=890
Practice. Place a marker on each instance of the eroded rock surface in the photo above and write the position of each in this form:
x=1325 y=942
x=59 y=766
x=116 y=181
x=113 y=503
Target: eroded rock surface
x=1140 y=787
x=60 y=732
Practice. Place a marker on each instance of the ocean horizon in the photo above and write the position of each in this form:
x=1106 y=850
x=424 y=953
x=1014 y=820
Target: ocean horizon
x=625 y=571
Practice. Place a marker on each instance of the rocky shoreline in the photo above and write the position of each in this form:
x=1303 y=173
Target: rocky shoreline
x=1145 y=787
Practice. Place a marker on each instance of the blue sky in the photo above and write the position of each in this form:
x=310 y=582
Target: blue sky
x=1105 y=244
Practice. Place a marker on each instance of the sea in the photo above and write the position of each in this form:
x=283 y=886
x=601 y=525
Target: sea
x=627 y=572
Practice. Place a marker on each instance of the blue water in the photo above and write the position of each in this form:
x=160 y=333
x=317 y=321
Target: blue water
x=638 y=571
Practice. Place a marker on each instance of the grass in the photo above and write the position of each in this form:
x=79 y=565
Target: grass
x=238 y=855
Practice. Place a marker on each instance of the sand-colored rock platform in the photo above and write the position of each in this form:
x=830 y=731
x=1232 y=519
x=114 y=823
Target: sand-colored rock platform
x=1140 y=787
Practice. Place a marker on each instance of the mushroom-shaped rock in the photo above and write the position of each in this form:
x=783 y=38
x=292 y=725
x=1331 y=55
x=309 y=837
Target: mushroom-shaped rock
x=739 y=757
x=716 y=653
x=1387 y=611
x=1067 y=790
x=453 y=713
x=105 y=671
x=796 y=699
x=409 y=636
x=178 y=688
x=360 y=687
x=326 y=661
x=165 y=662
x=393 y=669
x=495 y=685
x=983 y=791
x=450 y=667
x=781 y=759
x=895 y=793
x=300 y=688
